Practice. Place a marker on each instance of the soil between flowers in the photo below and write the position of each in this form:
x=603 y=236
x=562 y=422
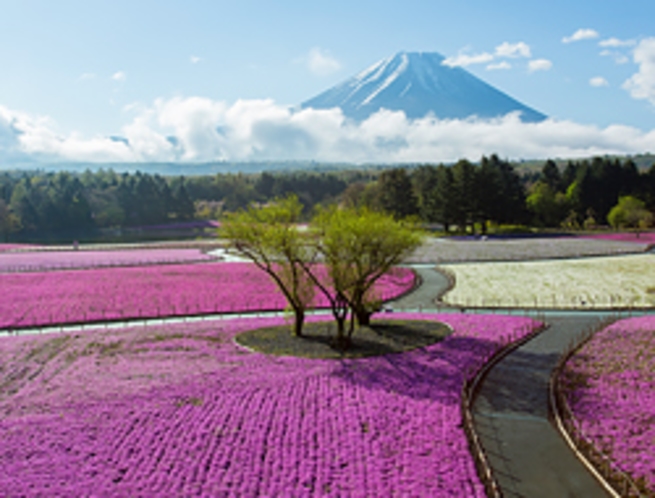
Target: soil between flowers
x=318 y=340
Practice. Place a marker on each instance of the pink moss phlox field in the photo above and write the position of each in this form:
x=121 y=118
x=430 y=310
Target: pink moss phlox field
x=181 y=410
x=642 y=238
x=55 y=260
x=72 y=296
x=610 y=385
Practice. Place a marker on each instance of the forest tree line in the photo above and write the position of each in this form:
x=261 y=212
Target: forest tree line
x=466 y=194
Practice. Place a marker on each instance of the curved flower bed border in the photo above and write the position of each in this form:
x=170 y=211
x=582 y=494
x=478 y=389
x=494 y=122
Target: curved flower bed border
x=617 y=482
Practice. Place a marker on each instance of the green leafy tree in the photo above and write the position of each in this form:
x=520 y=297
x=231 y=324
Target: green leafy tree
x=630 y=212
x=268 y=236
x=358 y=246
x=549 y=208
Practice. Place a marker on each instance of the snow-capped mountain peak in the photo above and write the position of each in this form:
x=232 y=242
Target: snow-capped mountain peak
x=418 y=83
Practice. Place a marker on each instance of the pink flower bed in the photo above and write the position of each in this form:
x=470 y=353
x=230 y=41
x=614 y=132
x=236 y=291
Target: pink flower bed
x=54 y=260
x=180 y=410
x=643 y=238
x=614 y=402
x=69 y=296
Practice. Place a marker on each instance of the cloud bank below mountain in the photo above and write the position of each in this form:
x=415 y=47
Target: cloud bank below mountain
x=198 y=129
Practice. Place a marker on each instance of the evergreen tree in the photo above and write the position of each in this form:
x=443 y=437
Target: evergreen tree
x=396 y=193
x=443 y=201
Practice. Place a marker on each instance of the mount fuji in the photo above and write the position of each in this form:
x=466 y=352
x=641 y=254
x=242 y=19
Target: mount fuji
x=419 y=83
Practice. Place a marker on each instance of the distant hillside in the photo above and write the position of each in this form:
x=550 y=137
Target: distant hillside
x=643 y=162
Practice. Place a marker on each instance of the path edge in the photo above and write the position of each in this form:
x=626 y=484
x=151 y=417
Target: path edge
x=470 y=390
x=555 y=410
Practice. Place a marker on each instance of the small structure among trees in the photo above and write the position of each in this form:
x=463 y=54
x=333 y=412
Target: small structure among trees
x=342 y=253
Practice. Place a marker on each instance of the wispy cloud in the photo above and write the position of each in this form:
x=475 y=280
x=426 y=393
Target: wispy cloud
x=119 y=76
x=464 y=60
x=321 y=63
x=616 y=43
x=194 y=59
x=499 y=66
x=581 y=34
x=513 y=50
x=618 y=57
x=641 y=85
x=598 y=81
x=87 y=76
x=539 y=65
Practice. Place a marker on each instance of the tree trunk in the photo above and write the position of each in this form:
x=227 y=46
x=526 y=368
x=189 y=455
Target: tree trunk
x=299 y=314
x=363 y=316
x=342 y=340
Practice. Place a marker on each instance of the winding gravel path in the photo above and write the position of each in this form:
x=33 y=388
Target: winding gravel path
x=528 y=456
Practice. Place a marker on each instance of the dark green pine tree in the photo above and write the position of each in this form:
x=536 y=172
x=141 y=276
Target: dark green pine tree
x=443 y=201
x=183 y=207
x=396 y=193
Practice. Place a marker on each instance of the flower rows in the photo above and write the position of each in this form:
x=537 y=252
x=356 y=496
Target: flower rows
x=610 y=386
x=57 y=260
x=181 y=410
x=71 y=296
x=607 y=282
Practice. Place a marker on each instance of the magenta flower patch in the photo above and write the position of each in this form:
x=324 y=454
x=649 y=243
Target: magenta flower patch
x=181 y=410
x=640 y=238
x=42 y=298
x=610 y=385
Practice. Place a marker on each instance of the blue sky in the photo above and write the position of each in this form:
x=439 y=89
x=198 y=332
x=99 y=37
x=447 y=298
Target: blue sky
x=76 y=72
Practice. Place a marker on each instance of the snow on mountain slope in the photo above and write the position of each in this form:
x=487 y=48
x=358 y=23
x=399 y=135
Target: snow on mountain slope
x=418 y=84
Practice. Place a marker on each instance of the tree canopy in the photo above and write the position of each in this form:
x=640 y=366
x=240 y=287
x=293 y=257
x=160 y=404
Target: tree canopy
x=630 y=213
x=359 y=246
x=356 y=247
x=269 y=237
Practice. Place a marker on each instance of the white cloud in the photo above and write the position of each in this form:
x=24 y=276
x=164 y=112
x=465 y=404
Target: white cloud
x=618 y=57
x=616 y=43
x=321 y=63
x=581 y=34
x=513 y=50
x=598 y=81
x=119 y=76
x=207 y=130
x=194 y=59
x=539 y=65
x=641 y=85
x=467 y=60
x=499 y=65
x=24 y=135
